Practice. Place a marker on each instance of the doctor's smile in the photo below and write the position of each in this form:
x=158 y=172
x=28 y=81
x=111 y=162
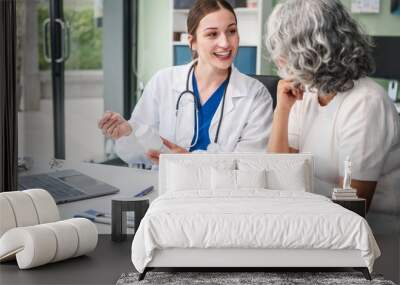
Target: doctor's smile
x=218 y=35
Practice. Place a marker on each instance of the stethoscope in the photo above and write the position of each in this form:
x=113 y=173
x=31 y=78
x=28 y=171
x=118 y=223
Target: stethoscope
x=196 y=106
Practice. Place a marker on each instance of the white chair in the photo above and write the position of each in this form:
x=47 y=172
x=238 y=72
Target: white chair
x=31 y=233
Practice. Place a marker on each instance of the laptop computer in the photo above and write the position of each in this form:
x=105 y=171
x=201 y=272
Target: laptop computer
x=67 y=185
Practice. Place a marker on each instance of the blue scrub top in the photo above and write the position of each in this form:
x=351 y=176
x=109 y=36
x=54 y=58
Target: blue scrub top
x=206 y=113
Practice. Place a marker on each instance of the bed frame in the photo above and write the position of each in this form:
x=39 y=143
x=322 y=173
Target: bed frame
x=242 y=259
x=246 y=259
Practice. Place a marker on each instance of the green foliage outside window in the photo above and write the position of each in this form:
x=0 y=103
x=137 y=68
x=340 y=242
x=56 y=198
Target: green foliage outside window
x=86 y=39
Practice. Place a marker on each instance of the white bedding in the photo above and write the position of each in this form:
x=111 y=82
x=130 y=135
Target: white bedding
x=252 y=218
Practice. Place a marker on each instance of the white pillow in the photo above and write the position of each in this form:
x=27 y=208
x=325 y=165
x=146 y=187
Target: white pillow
x=183 y=177
x=289 y=177
x=223 y=179
x=192 y=176
x=226 y=179
x=251 y=178
x=281 y=174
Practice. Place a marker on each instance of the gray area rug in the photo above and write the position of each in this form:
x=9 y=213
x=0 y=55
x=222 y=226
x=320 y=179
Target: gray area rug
x=229 y=278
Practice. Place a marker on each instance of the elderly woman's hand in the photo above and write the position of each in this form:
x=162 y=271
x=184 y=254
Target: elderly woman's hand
x=288 y=93
x=154 y=155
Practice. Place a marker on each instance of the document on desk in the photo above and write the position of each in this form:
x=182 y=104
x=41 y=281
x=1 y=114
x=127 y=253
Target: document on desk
x=104 y=218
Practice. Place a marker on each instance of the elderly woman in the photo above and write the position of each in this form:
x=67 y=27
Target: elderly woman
x=326 y=103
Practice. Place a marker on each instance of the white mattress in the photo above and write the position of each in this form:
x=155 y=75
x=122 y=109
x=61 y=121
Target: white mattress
x=253 y=218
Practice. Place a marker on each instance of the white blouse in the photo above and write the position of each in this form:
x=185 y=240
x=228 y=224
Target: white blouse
x=361 y=123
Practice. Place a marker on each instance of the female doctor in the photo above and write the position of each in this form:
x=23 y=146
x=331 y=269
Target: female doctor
x=207 y=105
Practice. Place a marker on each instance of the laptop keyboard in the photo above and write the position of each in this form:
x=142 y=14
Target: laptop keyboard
x=57 y=189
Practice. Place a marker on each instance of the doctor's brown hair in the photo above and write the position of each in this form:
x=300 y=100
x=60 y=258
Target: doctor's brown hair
x=199 y=10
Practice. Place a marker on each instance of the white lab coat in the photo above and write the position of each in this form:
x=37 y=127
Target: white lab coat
x=245 y=127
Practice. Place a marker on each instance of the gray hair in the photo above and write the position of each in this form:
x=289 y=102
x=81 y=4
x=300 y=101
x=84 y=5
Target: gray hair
x=321 y=44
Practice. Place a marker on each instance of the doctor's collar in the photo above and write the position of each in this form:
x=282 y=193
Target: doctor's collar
x=180 y=72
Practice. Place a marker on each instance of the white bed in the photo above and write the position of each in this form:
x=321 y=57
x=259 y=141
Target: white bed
x=214 y=211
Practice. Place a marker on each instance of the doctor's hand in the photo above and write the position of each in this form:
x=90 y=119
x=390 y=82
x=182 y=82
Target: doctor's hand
x=288 y=92
x=173 y=148
x=154 y=155
x=114 y=126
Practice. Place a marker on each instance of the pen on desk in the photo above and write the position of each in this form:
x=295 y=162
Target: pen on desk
x=144 y=192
